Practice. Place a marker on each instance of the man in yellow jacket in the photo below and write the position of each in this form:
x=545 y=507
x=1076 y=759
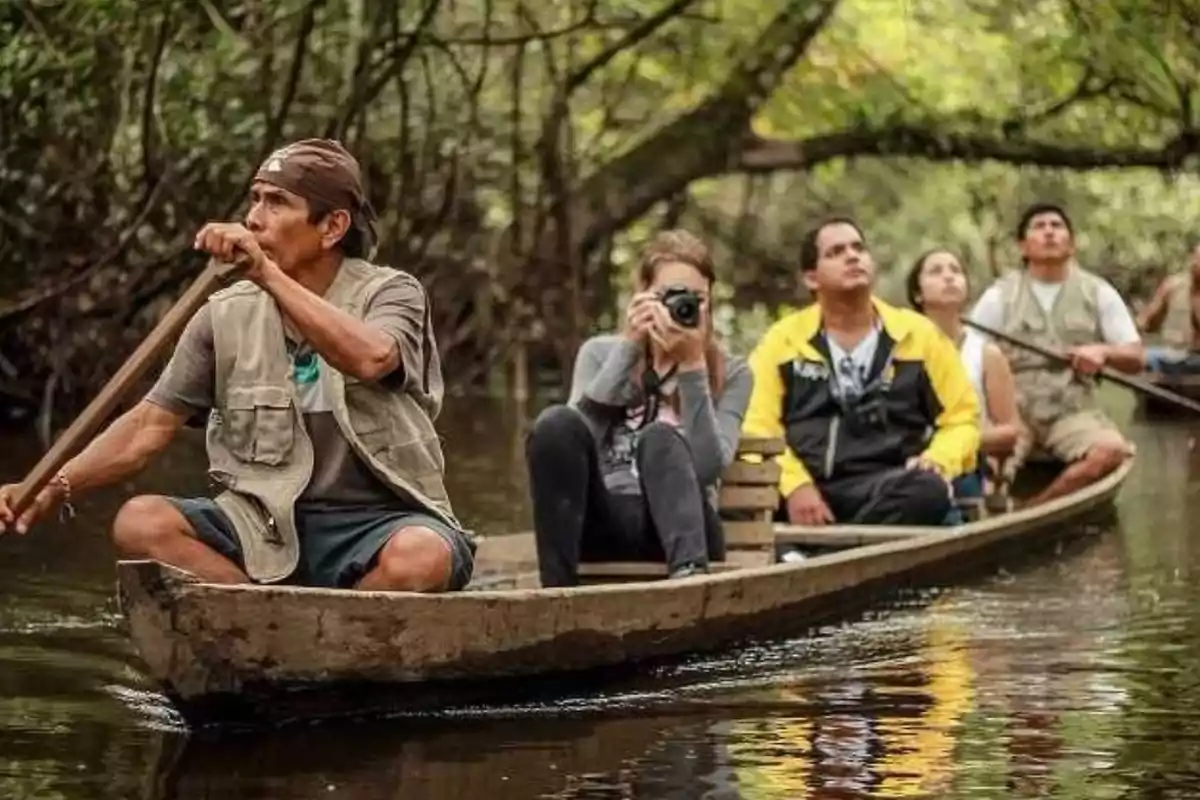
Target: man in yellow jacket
x=876 y=407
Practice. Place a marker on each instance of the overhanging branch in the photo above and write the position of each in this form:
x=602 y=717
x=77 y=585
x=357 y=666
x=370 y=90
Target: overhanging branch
x=929 y=143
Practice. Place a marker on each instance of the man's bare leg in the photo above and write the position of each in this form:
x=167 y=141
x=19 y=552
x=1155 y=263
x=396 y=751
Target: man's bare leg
x=149 y=526
x=415 y=559
x=1100 y=460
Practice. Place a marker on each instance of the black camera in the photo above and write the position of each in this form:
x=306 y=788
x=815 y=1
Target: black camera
x=683 y=305
x=866 y=412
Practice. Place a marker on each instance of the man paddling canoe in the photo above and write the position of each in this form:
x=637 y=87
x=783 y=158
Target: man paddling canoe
x=1055 y=303
x=322 y=378
x=1174 y=310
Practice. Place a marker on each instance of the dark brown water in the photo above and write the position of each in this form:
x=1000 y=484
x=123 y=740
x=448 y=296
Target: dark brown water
x=1076 y=676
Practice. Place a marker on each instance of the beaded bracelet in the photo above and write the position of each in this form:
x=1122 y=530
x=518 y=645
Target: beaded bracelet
x=67 y=510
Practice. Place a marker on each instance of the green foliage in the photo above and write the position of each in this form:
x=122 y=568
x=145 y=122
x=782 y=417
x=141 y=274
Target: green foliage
x=483 y=127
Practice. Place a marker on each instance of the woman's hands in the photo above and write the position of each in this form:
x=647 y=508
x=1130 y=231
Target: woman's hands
x=648 y=320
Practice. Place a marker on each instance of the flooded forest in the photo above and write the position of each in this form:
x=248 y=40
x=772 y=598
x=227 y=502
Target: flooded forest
x=517 y=152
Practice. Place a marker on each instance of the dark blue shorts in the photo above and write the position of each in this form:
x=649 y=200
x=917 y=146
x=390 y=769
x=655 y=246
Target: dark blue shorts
x=969 y=485
x=338 y=546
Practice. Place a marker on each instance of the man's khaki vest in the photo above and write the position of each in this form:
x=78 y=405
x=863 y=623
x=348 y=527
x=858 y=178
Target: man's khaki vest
x=1177 y=328
x=1048 y=390
x=258 y=447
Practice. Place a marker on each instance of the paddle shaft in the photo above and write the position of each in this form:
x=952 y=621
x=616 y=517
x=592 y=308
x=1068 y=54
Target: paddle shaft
x=89 y=421
x=1107 y=373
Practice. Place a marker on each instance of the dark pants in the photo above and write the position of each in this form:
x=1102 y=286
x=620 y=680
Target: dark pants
x=891 y=497
x=576 y=518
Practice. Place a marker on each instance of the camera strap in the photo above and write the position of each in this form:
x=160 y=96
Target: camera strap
x=652 y=384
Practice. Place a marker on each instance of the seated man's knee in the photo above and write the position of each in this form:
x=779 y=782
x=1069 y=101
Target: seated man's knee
x=142 y=523
x=416 y=559
x=1101 y=459
x=930 y=497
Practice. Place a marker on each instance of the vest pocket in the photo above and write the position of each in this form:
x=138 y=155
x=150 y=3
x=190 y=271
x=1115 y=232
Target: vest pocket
x=259 y=424
x=1078 y=327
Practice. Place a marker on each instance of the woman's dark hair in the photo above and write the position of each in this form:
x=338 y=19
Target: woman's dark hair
x=912 y=282
x=809 y=253
x=1036 y=210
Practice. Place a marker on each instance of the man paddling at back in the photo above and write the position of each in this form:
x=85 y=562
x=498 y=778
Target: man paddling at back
x=321 y=379
x=1173 y=311
x=876 y=407
x=1055 y=303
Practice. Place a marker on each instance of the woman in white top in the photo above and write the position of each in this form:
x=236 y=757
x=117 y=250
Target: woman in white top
x=937 y=287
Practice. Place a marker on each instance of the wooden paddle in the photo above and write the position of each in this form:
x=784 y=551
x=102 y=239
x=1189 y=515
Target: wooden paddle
x=1107 y=373
x=89 y=421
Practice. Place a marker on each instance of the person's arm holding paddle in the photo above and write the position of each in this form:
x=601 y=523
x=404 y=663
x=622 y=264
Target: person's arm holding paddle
x=350 y=345
x=122 y=450
x=133 y=439
x=1151 y=317
x=1122 y=348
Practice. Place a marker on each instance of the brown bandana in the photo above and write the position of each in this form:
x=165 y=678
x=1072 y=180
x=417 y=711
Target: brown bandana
x=325 y=174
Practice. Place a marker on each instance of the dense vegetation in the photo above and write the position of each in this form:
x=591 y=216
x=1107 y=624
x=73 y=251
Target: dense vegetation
x=517 y=151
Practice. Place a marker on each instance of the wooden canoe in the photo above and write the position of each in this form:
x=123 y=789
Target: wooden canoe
x=1186 y=385
x=255 y=653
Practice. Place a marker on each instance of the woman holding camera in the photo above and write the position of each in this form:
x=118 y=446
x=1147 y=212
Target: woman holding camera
x=627 y=470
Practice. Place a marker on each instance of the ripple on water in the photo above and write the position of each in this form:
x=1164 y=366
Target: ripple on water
x=1076 y=676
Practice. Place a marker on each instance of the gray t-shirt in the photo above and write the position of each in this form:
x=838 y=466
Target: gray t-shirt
x=339 y=476
x=711 y=425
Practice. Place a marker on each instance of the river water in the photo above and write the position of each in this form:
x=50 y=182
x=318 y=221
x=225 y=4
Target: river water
x=1074 y=675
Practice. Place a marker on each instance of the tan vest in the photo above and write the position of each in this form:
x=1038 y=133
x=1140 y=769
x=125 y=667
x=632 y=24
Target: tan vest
x=258 y=447
x=1177 y=329
x=1048 y=390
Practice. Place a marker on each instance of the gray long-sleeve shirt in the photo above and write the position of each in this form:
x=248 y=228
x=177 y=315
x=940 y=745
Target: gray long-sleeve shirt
x=604 y=390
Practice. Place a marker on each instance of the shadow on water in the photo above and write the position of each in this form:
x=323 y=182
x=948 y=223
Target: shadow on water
x=1076 y=676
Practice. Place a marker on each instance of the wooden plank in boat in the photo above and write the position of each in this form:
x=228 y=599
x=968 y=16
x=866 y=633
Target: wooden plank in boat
x=640 y=569
x=749 y=543
x=748 y=498
x=748 y=533
x=763 y=447
x=850 y=535
x=744 y=473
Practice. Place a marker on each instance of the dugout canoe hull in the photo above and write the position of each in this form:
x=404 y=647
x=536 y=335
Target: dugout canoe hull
x=257 y=653
x=1184 y=385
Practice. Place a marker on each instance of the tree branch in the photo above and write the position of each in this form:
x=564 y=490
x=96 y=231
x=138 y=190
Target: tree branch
x=930 y=143
x=587 y=22
x=299 y=51
x=149 y=167
x=644 y=29
x=703 y=141
x=392 y=63
x=1087 y=88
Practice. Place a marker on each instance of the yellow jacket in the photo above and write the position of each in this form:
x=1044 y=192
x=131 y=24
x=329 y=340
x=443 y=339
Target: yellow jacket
x=927 y=388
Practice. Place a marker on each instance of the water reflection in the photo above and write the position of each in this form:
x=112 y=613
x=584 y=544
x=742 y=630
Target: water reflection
x=1070 y=677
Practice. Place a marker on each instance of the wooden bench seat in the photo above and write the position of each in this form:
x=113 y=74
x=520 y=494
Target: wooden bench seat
x=747 y=499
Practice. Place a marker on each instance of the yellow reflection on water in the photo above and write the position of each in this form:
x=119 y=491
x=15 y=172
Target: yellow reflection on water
x=887 y=732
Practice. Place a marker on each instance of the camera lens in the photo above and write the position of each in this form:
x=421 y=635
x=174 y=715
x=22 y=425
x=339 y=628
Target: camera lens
x=683 y=305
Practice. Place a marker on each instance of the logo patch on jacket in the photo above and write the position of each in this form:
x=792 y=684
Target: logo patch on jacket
x=811 y=370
